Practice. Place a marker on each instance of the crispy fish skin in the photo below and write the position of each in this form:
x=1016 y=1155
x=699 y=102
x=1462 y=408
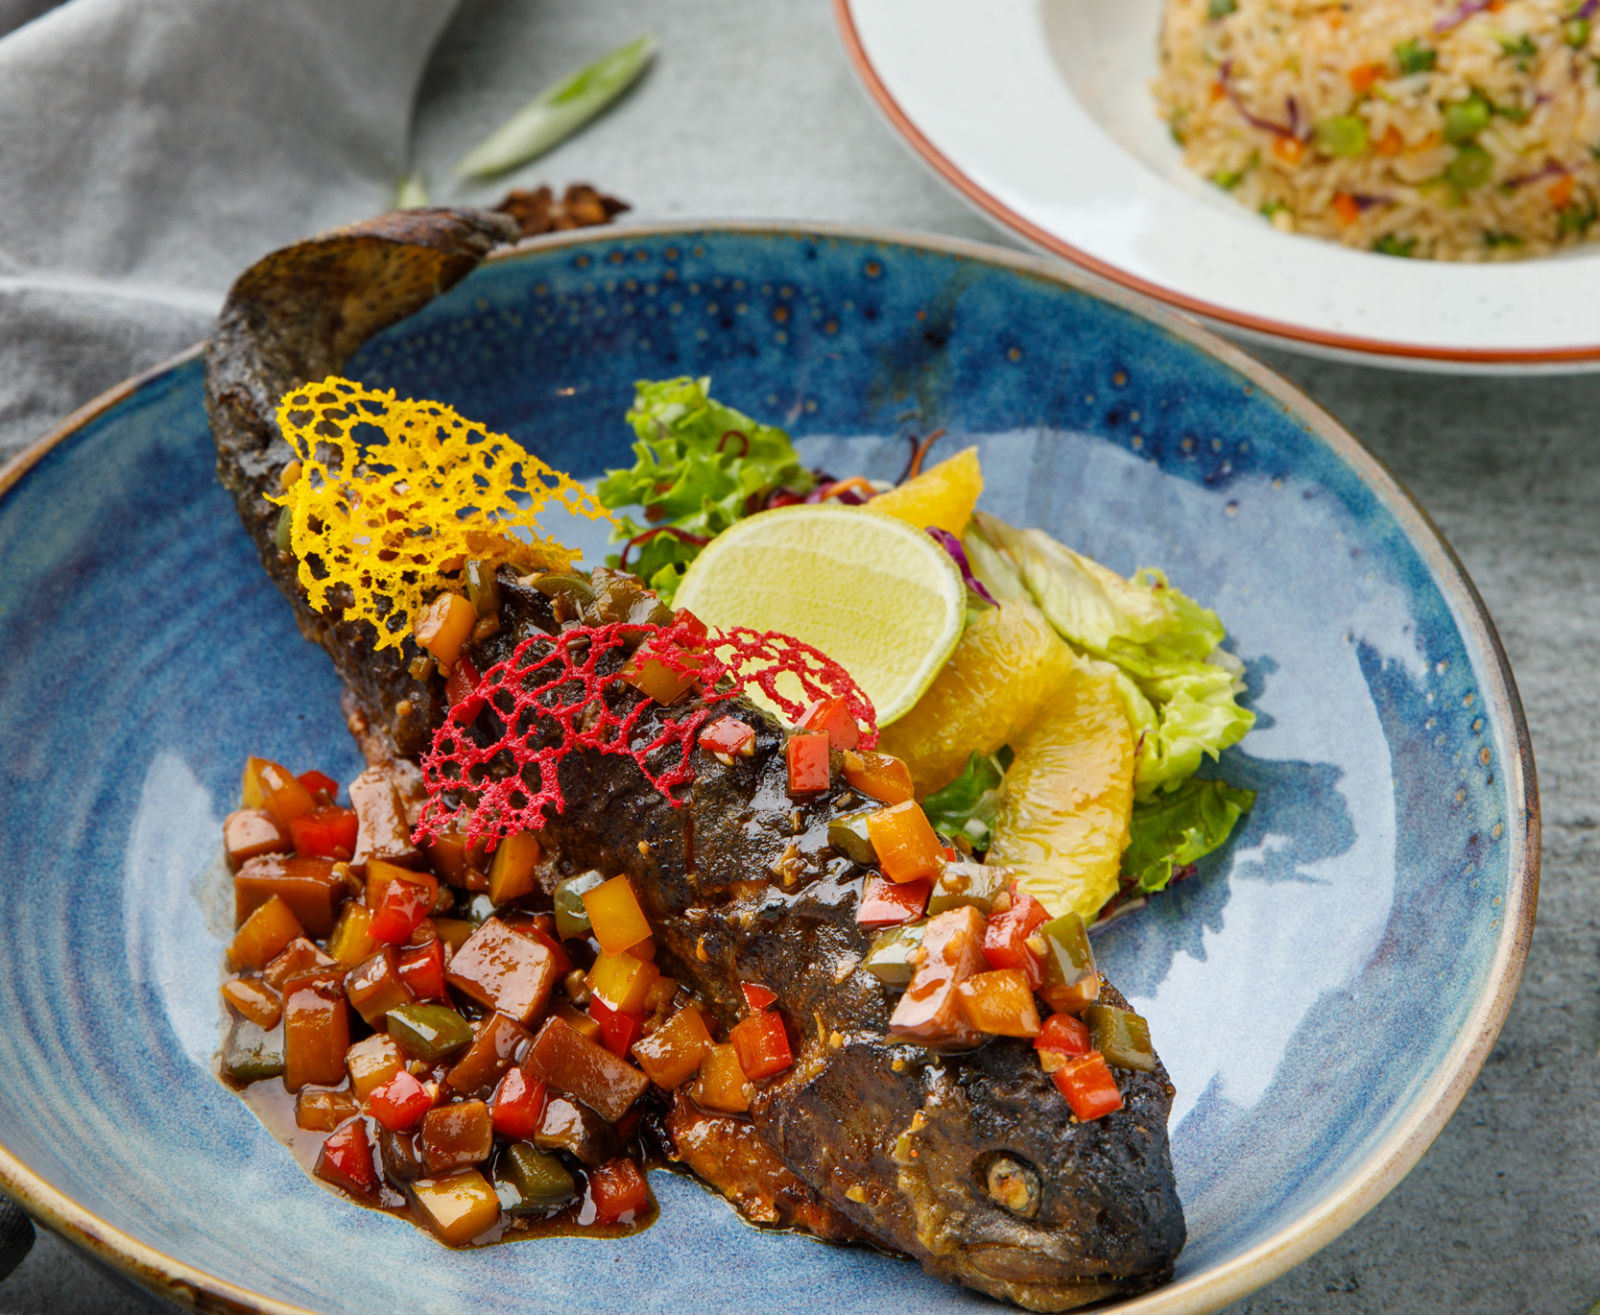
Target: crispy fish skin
x=740 y=883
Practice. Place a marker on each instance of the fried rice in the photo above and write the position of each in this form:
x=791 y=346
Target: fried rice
x=1456 y=131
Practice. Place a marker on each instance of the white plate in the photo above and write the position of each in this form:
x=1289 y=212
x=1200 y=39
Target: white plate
x=1040 y=113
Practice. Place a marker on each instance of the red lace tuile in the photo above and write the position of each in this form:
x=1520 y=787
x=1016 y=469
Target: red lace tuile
x=551 y=696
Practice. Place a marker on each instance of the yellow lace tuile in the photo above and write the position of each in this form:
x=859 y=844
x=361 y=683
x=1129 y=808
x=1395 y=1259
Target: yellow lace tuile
x=397 y=518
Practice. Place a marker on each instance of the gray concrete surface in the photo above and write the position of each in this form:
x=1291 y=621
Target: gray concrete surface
x=752 y=111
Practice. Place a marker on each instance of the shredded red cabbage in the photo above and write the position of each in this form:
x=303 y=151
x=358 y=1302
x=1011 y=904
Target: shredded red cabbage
x=958 y=554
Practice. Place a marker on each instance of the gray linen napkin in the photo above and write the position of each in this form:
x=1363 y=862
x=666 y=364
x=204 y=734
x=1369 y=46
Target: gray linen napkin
x=151 y=149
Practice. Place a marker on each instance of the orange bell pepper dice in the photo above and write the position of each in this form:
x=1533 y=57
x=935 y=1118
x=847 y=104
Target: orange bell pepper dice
x=907 y=848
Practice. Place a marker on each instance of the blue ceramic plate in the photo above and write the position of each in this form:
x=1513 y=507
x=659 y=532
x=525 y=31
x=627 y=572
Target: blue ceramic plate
x=1323 y=992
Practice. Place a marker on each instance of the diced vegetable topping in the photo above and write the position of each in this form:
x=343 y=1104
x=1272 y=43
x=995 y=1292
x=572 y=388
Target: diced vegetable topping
x=848 y=834
x=457 y=1206
x=316 y=1030
x=886 y=904
x=930 y=1011
x=672 y=1053
x=406 y=899
x=617 y=1028
x=879 y=776
x=311 y=887
x=346 y=1160
x=375 y=987
x=371 y=1062
x=622 y=982
x=251 y=832
x=806 y=755
x=1122 y=1036
x=271 y=786
x=262 y=936
x=571 y=914
x=761 y=1044
x=1000 y=1003
x=831 y=717
x=722 y=1085
x=1062 y=1035
x=496 y=1043
x=1087 y=1084
x=429 y=1032
x=513 y=873
x=318 y=1110
x=1007 y=934
x=968 y=883
x=325 y=832
x=615 y=918
x=907 y=848
x=539 y=1182
x=757 y=996
x=422 y=970
x=444 y=626
x=895 y=952
x=503 y=970
x=253 y=999
x=571 y=1062
x=519 y=1103
x=351 y=939
x=619 y=1192
x=1071 y=980
x=729 y=736
x=456 y=1135
x=399 y=1103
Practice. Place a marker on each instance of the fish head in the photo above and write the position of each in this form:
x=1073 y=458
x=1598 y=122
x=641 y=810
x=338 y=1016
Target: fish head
x=1009 y=1193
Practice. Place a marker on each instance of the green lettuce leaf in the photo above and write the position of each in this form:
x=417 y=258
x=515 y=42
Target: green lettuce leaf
x=967 y=806
x=1178 y=827
x=698 y=465
x=1180 y=690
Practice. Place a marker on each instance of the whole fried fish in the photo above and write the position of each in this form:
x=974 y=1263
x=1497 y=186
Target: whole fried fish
x=864 y=1137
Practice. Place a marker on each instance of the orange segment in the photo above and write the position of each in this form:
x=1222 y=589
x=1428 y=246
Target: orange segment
x=1006 y=665
x=943 y=495
x=1063 y=821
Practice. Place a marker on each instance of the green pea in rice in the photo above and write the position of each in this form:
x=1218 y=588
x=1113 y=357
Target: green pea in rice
x=1458 y=131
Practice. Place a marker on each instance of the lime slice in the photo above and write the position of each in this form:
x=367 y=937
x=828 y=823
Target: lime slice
x=875 y=594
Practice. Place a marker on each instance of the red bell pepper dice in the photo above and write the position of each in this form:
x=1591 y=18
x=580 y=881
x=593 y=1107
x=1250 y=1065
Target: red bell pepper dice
x=761 y=1044
x=345 y=1159
x=1063 y=1034
x=1088 y=1086
x=325 y=832
x=806 y=753
x=888 y=904
x=320 y=783
x=399 y=1103
x=727 y=735
x=618 y=1030
x=619 y=1192
x=756 y=995
x=404 y=905
x=832 y=717
x=519 y=1104
x=458 y=689
x=1005 y=938
x=422 y=970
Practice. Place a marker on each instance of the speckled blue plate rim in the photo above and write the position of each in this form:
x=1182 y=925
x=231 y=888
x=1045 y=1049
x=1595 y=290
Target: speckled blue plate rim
x=1369 y=1181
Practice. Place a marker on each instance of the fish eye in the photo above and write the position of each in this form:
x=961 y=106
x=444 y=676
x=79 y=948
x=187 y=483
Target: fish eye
x=1011 y=1182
